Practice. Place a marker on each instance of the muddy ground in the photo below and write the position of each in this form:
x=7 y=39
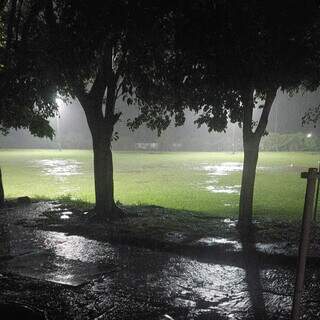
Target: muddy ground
x=153 y=264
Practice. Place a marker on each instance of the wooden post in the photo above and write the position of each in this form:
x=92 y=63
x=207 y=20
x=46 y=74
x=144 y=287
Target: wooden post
x=312 y=176
x=1 y=191
x=317 y=198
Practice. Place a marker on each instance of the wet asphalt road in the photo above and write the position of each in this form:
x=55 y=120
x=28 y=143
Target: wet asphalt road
x=87 y=279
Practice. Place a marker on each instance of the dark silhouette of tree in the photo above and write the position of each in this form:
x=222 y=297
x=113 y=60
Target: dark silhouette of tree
x=25 y=101
x=226 y=59
x=85 y=49
x=93 y=45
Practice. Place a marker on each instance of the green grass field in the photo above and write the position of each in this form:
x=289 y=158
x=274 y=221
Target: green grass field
x=196 y=181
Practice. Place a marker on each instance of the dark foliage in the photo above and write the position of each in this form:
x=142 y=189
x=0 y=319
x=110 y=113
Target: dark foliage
x=223 y=59
x=222 y=55
x=27 y=95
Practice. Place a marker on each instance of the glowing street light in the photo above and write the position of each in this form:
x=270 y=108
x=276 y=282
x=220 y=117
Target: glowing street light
x=60 y=104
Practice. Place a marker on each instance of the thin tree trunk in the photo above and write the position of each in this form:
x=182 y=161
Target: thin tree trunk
x=251 y=151
x=1 y=191
x=251 y=142
x=253 y=278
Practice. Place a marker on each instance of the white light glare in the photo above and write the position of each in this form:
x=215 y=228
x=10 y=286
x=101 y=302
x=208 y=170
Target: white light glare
x=59 y=102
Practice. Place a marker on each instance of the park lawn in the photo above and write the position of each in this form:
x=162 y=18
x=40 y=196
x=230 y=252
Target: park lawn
x=175 y=180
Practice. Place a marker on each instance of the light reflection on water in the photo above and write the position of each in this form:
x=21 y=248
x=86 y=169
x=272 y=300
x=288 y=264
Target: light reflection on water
x=211 y=241
x=223 y=169
x=225 y=289
x=58 y=167
x=220 y=288
x=224 y=189
x=75 y=247
x=64 y=217
x=73 y=259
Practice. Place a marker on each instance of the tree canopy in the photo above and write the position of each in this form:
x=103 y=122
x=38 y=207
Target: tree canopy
x=220 y=59
x=224 y=60
x=27 y=95
x=82 y=50
x=221 y=49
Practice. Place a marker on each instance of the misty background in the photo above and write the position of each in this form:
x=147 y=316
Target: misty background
x=286 y=132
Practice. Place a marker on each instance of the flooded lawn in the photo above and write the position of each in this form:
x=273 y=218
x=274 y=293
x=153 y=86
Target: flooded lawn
x=58 y=167
x=215 y=172
x=202 y=182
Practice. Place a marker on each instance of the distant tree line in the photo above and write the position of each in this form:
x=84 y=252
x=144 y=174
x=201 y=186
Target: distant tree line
x=290 y=142
x=173 y=139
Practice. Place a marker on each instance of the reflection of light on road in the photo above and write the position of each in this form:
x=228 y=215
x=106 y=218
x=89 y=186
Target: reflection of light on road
x=66 y=215
x=75 y=247
x=221 y=286
x=210 y=241
x=223 y=289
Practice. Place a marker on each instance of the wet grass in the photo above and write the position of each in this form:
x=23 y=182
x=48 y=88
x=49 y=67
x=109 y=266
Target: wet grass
x=171 y=180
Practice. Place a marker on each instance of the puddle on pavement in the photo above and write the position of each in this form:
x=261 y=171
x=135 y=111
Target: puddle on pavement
x=58 y=213
x=44 y=265
x=212 y=241
x=75 y=247
x=230 y=223
x=281 y=248
x=52 y=256
x=176 y=237
x=58 y=167
x=143 y=275
x=220 y=289
x=65 y=215
x=60 y=258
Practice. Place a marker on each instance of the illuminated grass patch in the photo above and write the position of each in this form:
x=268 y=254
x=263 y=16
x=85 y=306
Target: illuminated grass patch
x=202 y=181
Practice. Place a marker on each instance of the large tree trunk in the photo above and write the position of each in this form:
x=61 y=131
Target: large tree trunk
x=1 y=191
x=103 y=177
x=251 y=151
x=101 y=128
x=99 y=106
